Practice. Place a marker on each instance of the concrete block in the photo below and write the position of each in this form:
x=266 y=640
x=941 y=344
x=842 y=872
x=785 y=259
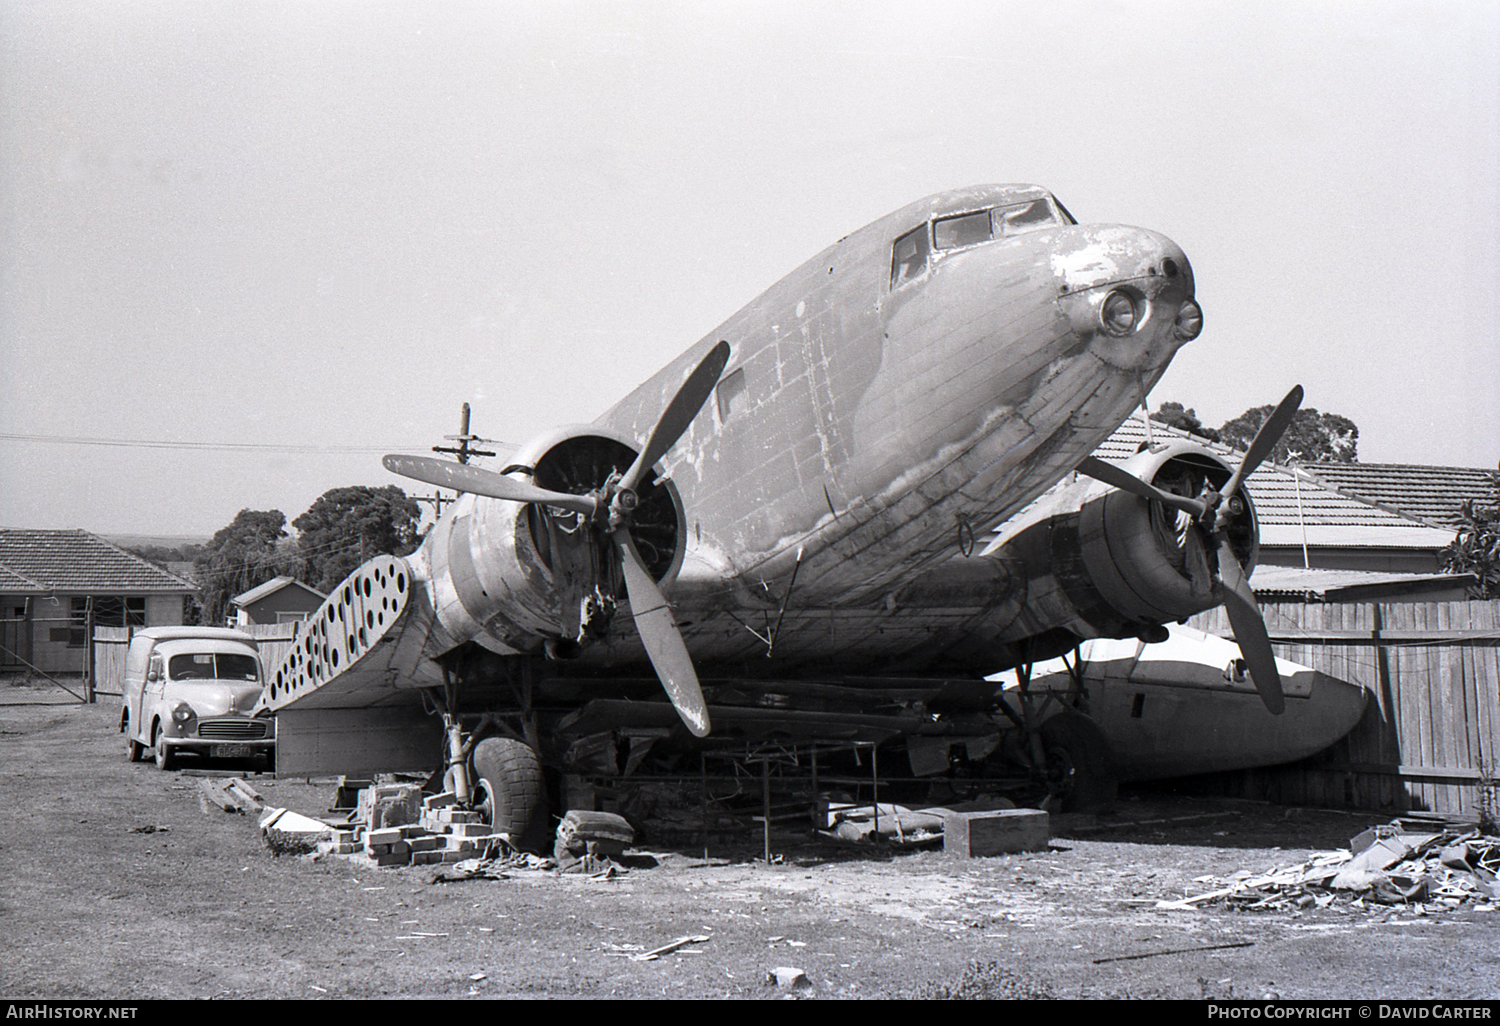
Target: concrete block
x=996 y=832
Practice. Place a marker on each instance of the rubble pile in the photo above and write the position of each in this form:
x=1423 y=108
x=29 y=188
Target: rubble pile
x=394 y=825
x=1384 y=866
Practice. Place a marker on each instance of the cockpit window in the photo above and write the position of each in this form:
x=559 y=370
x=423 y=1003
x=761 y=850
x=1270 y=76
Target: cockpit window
x=1024 y=217
x=213 y=666
x=909 y=256
x=963 y=230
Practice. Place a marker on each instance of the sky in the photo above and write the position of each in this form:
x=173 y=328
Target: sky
x=275 y=240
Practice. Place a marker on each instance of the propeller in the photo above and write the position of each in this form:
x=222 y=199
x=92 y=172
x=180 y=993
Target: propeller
x=618 y=499
x=1231 y=586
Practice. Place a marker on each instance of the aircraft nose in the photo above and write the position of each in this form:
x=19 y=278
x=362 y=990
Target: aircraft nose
x=1128 y=292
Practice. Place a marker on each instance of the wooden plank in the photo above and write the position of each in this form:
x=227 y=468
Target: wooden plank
x=1444 y=726
x=1487 y=686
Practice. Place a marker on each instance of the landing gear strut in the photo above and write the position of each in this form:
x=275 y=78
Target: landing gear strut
x=1065 y=751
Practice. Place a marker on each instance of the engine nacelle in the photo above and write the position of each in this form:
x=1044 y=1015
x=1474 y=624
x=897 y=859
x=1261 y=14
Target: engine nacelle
x=515 y=577
x=1101 y=562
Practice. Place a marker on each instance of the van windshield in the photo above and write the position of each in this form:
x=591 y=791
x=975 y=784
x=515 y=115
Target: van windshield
x=213 y=666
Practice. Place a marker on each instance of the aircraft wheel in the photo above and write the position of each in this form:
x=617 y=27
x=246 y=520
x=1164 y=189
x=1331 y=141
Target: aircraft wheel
x=510 y=793
x=164 y=759
x=1080 y=768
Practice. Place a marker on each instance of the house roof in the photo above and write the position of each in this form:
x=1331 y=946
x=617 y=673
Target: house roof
x=271 y=587
x=1433 y=494
x=44 y=562
x=1288 y=581
x=1287 y=502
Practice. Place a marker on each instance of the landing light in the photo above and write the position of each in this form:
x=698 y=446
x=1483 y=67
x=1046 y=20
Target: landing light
x=1189 y=320
x=1118 y=314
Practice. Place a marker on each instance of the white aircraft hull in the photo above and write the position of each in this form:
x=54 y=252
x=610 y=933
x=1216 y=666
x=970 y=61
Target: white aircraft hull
x=1178 y=708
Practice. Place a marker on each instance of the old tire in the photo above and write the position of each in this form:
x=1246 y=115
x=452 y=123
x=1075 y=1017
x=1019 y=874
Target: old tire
x=512 y=796
x=1080 y=766
x=164 y=758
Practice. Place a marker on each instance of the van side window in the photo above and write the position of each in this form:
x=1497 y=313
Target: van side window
x=909 y=256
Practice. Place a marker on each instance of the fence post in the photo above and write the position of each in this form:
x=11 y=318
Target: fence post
x=88 y=651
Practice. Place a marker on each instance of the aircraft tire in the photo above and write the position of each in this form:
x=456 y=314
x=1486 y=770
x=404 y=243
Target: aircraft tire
x=1080 y=765
x=511 y=773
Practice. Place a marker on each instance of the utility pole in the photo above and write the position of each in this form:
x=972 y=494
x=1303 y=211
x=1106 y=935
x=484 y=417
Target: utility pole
x=463 y=438
x=463 y=451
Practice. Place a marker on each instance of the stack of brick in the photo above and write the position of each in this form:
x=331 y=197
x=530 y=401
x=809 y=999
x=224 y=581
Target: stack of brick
x=396 y=826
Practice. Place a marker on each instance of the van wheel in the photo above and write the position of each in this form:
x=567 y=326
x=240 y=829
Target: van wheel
x=164 y=759
x=134 y=750
x=510 y=792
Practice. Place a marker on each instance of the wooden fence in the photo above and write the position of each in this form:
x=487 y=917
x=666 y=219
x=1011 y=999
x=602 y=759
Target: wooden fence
x=111 y=643
x=1429 y=737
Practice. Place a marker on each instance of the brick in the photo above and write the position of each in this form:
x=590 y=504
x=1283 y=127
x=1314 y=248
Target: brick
x=389 y=835
x=377 y=849
x=426 y=843
x=438 y=801
x=996 y=832
x=470 y=829
x=391 y=859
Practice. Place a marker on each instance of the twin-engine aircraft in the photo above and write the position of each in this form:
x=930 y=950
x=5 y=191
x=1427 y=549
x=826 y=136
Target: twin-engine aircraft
x=786 y=527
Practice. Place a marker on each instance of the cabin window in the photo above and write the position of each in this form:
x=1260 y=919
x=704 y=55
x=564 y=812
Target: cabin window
x=731 y=394
x=1024 y=217
x=909 y=256
x=964 y=230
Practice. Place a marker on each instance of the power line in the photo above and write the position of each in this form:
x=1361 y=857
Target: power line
x=137 y=443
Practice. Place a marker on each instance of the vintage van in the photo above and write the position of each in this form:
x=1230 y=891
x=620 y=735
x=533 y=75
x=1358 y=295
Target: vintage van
x=190 y=690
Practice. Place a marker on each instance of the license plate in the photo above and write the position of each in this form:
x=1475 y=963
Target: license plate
x=230 y=751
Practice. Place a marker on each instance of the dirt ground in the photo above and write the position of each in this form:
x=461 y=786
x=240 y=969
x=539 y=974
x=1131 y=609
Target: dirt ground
x=118 y=881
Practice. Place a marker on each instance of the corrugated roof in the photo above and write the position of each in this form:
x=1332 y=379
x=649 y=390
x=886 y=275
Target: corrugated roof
x=1429 y=493
x=272 y=586
x=1287 y=502
x=76 y=561
x=1295 y=580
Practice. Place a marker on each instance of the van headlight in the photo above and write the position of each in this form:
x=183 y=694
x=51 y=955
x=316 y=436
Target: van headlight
x=183 y=714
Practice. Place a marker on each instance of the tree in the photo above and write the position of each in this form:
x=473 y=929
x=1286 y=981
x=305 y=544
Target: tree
x=346 y=526
x=1476 y=547
x=1173 y=415
x=1315 y=437
x=240 y=557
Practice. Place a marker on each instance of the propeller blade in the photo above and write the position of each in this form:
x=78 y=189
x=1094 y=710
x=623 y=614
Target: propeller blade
x=1265 y=439
x=1250 y=630
x=1124 y=480
x=463 y=478
x=663 y=641
x=678 y=414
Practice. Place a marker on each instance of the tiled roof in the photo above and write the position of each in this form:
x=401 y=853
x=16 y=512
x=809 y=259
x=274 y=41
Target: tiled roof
x=1287 y=503
x=76 y=561
x=1433 y=494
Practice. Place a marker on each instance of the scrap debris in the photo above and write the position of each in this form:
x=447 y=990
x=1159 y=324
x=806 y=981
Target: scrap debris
x=1384 y=866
